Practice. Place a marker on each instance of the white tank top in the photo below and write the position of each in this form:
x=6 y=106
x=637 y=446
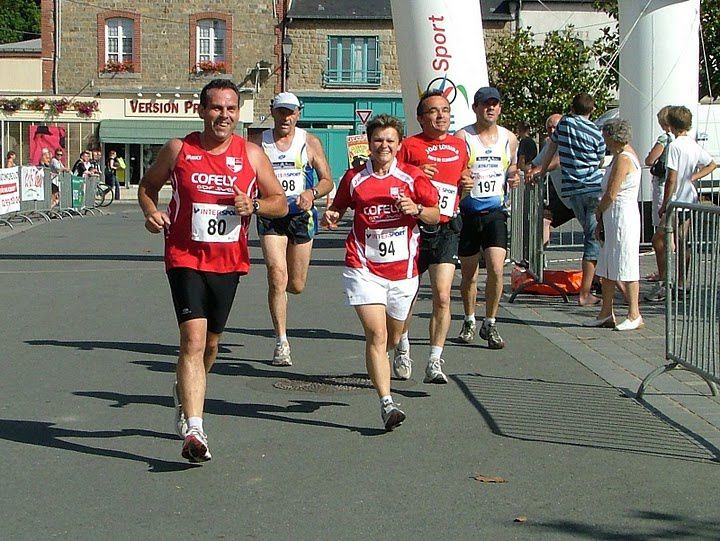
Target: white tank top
x=291 y=166
x=488 y=167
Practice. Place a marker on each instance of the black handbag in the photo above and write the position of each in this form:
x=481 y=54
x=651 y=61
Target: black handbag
x=658 y=169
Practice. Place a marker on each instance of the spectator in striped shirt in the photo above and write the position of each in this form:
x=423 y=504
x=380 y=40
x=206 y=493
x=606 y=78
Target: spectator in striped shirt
x=582 y=149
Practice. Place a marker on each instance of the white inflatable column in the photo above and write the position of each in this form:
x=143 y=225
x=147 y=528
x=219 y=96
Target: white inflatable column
x=440 y=45
x=658 y=66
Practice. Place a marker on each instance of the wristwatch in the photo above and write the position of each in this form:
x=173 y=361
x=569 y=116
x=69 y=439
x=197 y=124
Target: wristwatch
x=256 y=206
x=420 y=209
x=315 y=193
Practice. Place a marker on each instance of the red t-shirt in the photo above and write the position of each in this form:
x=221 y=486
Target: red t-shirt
x=205 y=232
x=450 y=156
x=383 y=239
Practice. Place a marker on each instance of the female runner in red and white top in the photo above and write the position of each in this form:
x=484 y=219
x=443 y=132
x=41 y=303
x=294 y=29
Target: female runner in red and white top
x=381 y=261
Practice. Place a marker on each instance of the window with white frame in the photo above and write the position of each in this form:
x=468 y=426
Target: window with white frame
x=210 y=38
x=353 y=61
x=119 y=40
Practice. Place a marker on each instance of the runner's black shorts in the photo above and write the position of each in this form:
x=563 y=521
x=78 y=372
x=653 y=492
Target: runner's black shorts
x=439 y=243
x=203 y=295
x=298 y=228
x=482 y=230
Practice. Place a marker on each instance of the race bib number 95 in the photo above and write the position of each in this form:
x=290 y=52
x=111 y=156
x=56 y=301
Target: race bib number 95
x=215 y=223
x=387 y=245
x=447 y=196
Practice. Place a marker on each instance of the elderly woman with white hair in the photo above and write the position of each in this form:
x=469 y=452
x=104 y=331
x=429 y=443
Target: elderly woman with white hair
x=619 y=229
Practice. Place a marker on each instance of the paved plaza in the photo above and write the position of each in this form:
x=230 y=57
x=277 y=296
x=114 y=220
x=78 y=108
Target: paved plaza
x=86 y=418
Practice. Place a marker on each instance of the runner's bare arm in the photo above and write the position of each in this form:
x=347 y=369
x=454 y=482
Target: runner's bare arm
x=153 y=180
x=273 y=203
x=513 y=175
x=319 y=163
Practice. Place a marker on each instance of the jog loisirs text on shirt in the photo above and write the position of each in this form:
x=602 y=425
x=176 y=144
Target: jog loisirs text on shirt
x=449 y=155
x=581 y=149
x=205 y=232
x=382 y=238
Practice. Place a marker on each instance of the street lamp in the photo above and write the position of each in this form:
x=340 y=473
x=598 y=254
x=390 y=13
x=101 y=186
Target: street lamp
x=287 y=46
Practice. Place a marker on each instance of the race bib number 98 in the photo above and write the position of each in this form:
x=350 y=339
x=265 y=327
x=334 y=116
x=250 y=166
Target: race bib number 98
x=215 y=223
x=447 y=196
x=291 y=181
x=387 y=245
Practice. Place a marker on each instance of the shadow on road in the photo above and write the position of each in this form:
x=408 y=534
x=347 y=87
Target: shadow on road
x=662 y=526
x=46 y=434
x=270 y=412
x=594 y=416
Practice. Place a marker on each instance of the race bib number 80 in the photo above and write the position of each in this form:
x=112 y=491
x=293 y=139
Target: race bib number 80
x=215 y=223
x=387 y=245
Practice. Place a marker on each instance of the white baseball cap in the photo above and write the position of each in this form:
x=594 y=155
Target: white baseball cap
x=286 y=100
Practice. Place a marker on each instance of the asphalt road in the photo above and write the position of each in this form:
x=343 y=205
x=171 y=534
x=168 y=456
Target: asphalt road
x=88 y=354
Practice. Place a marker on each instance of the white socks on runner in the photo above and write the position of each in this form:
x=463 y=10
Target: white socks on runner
x=196 y=422
x=435 y=352
x=404 y=343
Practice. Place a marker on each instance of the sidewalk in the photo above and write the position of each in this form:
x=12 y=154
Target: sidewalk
x=623 y=359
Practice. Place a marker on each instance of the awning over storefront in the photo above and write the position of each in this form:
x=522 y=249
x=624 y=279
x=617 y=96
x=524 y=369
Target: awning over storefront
x=149 y=132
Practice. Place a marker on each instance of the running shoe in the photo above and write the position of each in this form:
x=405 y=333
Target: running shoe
x=656 y=294
x=195 y=446
x=180 y=421
x=490 y=333
x=402 y=365
x=434 y=373
x=392 y=416
x=281 y=355
x=467 y=334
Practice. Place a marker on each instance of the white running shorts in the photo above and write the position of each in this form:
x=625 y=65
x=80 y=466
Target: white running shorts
x=363 y=287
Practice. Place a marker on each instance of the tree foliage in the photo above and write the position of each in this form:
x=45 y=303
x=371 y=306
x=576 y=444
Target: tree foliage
x=19 y=20
x=710 y=61
x=539 y=79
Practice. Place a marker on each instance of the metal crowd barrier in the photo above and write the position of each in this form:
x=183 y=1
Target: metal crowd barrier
x=527 y=250
x=77 y=197
x=692 y=308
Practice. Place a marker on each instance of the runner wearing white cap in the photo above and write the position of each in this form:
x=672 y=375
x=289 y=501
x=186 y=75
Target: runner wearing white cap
x=297 y=156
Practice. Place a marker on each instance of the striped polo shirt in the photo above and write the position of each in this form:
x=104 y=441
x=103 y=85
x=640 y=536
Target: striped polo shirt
x=581 y=148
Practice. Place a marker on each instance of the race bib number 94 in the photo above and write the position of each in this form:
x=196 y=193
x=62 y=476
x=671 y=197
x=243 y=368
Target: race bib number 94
x=387 y=245
x=215 y=223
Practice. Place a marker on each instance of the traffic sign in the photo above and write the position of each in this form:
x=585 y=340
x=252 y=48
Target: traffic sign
x=363 y=114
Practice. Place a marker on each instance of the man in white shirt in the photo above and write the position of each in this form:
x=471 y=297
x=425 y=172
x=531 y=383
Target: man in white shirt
x=687 y=162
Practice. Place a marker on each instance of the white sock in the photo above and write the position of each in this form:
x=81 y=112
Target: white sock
x=435 y=352
x=404 y=343
x=471 y=317
x=195 y=422
x=488 y=321
x=282 y=339
x=385 y=400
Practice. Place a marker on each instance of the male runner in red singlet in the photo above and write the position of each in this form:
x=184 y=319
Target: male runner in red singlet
x=219 y=180
x=443 y=158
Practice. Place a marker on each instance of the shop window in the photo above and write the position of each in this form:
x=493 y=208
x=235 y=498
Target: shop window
x=210 y=43
x=118 y=42
x=352 y=61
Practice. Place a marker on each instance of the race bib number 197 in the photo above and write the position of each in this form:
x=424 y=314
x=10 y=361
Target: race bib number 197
x=215 y=223
x=387 y=245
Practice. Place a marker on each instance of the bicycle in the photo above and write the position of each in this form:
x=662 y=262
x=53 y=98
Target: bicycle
x=104 y=195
